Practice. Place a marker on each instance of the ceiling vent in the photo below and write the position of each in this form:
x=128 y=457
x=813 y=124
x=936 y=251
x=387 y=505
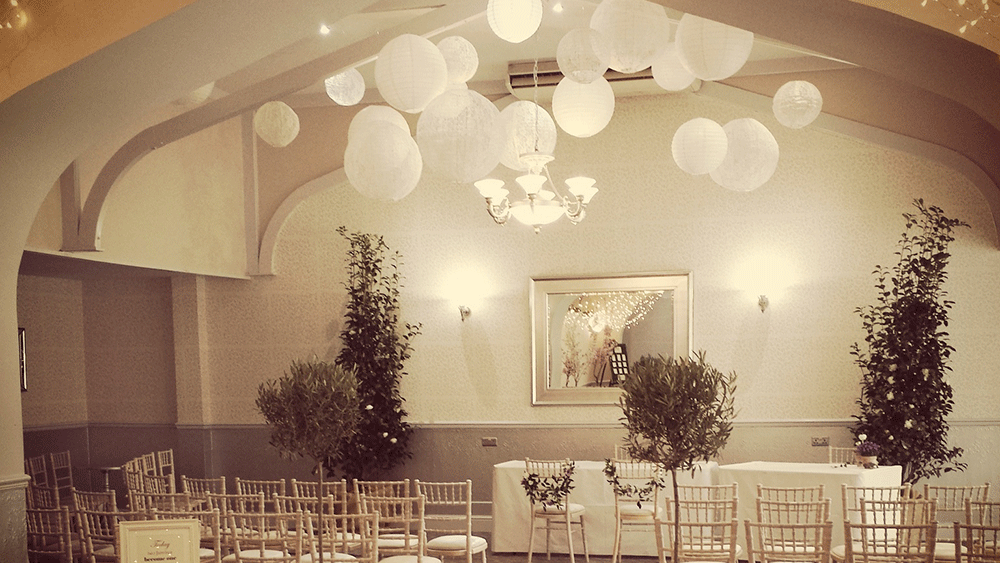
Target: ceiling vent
x=521 y=81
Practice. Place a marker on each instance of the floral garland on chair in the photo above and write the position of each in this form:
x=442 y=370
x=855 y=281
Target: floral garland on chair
x=642 y=494
x=551 y=490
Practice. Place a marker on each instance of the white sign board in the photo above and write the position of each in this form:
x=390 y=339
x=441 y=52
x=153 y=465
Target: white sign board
x=160 y=541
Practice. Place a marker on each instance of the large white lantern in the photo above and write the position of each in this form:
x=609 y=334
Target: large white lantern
x=514 y=20
x=460 y=57
x=369 y=115
x=711 y=50
x=668 y=72
x=583 y=54
x=699 y=146
x=276 y=123
x=346 y=88
x=752 y=156
x=410 y=72
x=527 y=127
x=459 y=135
x=583 y=110
x=636 y=30
x=383 y=162
x=797 y=103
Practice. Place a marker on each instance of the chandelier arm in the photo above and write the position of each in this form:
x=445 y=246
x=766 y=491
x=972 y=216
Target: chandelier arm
x=500 y=212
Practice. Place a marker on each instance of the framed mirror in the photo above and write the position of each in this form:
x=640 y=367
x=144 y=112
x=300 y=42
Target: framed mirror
x=586 y=332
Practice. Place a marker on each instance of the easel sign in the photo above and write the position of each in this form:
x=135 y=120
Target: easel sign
x=160 y=541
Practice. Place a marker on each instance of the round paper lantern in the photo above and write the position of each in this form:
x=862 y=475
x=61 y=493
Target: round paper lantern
x=383 y=162
x=711 y=50
x=514 y=20
x=668 y=72
x=635 y=30
x=460 y=57
x=583 y=110
x=346 y=88
x=583 y=55
x=196 y=96
x=459 y=135
x=276 y=123
x=521 y=135
x=699 y=146
x=410 y=72
x=752 y=156
x=364 y=119
x=797 y=103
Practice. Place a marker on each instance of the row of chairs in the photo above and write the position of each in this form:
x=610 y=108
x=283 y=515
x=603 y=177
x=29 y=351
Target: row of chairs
x=151 y=472
x=51 y=477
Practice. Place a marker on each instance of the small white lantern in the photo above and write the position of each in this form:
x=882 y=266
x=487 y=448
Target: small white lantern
x=460 y=57
x=527 y=127
x=196 y=96
x=410 y=72
x=346 y=88
x=368 y=115
x=459 y=135
x=699 y=146
x=583 y=110
x=383 y=162
x=797 y=104
x=752 y=156
x=583 y=55
x=668 y=72
x=276 y=123
x=711 y=50
x=635 y=30
x=514 y=20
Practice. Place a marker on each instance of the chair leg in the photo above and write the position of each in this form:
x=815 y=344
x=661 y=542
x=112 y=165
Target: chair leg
x=658 y=533
x=531 y=538
x=583 y=536
x=569 y=537
x=617 y=546
x=548 y=538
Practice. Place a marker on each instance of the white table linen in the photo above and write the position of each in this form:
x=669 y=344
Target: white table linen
x=783 y=474
x=512 y=517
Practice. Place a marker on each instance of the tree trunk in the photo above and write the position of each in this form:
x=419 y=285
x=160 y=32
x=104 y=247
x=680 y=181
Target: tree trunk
x=319 y=508
x=677 y=518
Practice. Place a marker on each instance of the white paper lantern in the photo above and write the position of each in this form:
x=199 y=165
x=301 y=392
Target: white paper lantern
x=383 y=162
x=346 y=88
x=514 y=20
x=636 y=30
x=583 y=55
x=711 y=50
x=668 y=72
x=410 y=72
x=521 y=135
x=583 y=110
x=276 y=123
x=196 y=96
x=368 y=115
x=460 y=58
x=699 y=146
x=752 y=156
x=797 y=104
x=459 y=135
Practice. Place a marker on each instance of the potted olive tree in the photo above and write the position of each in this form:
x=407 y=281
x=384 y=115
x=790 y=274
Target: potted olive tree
x=678 y=411
x=313 y=411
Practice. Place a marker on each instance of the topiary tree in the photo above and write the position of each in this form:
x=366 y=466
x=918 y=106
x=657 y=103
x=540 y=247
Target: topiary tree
x=375 y=348
x=678 y=411
x=313 y=411
x=905 y=398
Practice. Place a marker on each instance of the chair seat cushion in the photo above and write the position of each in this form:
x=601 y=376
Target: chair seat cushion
x=327 y=556
x=944 y=550
x=557 y=509
x=408 y=559
x=205 y=553
x=455 y=543
x=256 y=554
x=635 y=513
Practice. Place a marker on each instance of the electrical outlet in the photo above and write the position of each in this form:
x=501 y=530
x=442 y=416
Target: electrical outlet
x=489 y=442
x=821 y=441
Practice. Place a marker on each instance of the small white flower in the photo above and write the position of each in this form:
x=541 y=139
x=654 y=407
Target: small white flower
x=890 y=380
x=393 y=441
x=908 y=424
x=892 y=367
x=369 y=407
x=891 y=438
x=385 y=434
x=862 y=437
x=926 y=372
x=889 y=395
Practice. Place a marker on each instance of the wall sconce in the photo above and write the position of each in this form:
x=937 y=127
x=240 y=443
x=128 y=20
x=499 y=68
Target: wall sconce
x=764 y=274
x=464 y=311
x=762 y=302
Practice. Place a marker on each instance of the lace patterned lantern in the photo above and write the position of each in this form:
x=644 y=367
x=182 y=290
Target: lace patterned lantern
x=583 y=55
x=520 y=135
x=410 y=72
x=460 y=57
x=699 y=146
x=752 y=156
x=797 y=104
x=711 y=50
x=583 y=110
x=276 y=123
x=635 y=30
x=383 y=162
x=459 y=135
x=346 y=88
x=514 y=20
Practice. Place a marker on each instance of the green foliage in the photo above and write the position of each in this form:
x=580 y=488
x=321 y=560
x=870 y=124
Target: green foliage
x=641 y=494
x=375 y=348
x=312 y=409
x=904 y=395
x=551 y=490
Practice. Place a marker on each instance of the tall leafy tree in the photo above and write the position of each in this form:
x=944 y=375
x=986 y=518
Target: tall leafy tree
x=905 y=397
x=678 y=411
x=375 y=347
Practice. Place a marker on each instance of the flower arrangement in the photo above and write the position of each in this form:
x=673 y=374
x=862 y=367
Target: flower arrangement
x=641 y=494
x=865 y=448
x=551 y=490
